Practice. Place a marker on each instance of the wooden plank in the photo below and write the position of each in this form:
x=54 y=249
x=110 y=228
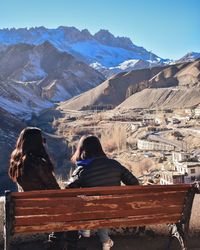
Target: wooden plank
x=101 y=191
x=94 y=224
x=77 y=202
x=110 y=214
x=28 y=211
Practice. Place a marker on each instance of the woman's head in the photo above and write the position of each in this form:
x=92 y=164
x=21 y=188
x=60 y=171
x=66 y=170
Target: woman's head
x=29 y=142
x=88 y=147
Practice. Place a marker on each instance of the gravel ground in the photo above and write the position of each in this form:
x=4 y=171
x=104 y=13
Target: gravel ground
x=120 y=243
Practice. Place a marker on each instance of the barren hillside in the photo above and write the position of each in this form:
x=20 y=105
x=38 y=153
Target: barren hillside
x=165 y=85
x=163 y=98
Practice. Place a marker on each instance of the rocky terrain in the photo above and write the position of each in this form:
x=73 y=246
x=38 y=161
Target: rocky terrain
x=163 y=98
x=10 y=127
x=189 y=57
x=40 y=75
x=170 y=86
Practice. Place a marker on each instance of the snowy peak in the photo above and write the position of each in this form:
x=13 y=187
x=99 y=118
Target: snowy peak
x=191 y=56
x=106 y=38
x=102 y=48
x=72 y=34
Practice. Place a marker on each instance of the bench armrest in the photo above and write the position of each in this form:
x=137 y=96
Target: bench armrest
x=196 y=186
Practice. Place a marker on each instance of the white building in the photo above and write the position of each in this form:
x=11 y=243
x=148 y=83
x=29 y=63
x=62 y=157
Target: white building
x=168 y=177
x=191 y=170
x=197 y=112
x=153 y=146
x=180 y=156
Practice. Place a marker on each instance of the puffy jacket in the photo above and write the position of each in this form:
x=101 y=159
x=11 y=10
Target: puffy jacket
x=36 y=176
x=101 y=172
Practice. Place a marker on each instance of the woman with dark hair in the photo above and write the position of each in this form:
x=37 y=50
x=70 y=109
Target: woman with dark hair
x=30 y=165
x=95 y=169
x=31 y=168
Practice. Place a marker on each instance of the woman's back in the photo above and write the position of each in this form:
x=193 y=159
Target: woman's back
x=101 y=172
x=36 y=175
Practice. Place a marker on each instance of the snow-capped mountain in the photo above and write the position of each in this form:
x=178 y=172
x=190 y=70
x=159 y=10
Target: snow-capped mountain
x=33 y=77
x=191 y=56
x=125 y=66
x=102 y=48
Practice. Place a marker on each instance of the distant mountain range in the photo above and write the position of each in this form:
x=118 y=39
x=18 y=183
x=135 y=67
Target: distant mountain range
x=102 y=50
x=40 y=66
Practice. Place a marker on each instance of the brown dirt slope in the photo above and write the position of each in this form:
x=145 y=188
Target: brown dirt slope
x=111 y=92
x=116 y=89
x=163 y=98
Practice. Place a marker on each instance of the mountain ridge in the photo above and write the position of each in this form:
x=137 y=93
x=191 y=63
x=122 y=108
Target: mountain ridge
x=112 y=92
x=107 y=49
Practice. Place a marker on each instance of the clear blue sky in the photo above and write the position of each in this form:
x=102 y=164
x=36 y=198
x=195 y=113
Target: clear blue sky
x=170 y=28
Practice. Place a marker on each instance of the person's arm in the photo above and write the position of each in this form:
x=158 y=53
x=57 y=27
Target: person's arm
x=127 y=177
x=75 y=179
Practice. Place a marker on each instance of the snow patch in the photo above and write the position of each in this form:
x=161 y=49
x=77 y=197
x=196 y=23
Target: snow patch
x=126 y=64
x=33 y=70
x=29 y=103
x=60 y=94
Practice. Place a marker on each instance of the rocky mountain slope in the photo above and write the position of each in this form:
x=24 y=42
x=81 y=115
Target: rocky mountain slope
x=33 y=77
x=174 y=87
x=191 y=56
x=101 y=50
x=10 y=127
x=163 y=98
x=115 y=90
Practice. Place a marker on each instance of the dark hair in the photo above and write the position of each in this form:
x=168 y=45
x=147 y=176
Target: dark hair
x=29 y=143
x=88 y=147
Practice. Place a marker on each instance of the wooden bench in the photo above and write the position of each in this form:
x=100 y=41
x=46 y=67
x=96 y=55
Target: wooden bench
x=92 y=208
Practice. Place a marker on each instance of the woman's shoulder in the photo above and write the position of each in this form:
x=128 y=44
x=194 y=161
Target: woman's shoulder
x=112 y=161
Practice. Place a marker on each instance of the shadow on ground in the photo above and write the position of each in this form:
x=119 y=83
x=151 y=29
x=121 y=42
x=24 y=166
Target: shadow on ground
x=120 y=243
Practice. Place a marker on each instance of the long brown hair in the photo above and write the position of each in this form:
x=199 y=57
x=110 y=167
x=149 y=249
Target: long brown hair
x=88 y=147
x=29 y=143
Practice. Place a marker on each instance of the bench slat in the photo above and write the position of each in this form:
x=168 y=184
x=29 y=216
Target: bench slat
x=94 y=224
x=74 y=203
x=27 y=211
x=110 y=214
x=100 y=190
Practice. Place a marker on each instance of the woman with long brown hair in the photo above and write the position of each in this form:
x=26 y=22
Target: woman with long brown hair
x=30 y=165
x=32 y=169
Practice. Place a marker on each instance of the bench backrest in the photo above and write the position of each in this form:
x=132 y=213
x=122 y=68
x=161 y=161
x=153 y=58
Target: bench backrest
x=91 y=208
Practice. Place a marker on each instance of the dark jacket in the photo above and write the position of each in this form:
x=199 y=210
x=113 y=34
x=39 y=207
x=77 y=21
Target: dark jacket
x=101 y=172
x=36 y=175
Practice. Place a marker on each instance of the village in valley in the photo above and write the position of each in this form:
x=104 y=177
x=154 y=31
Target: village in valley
x=160 y=146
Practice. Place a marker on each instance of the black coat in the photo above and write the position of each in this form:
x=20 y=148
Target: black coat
x=101 y=172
